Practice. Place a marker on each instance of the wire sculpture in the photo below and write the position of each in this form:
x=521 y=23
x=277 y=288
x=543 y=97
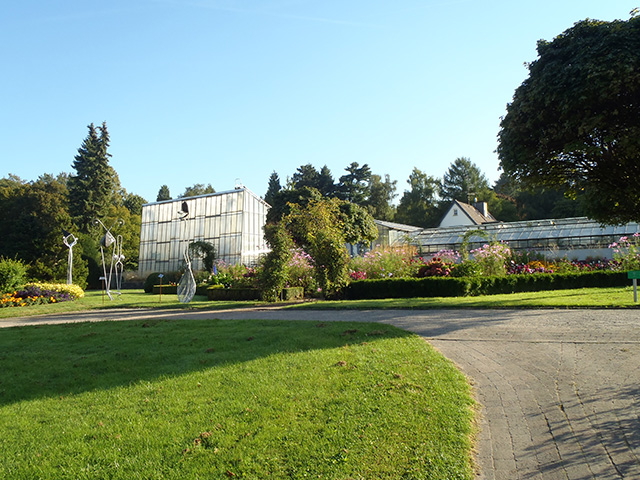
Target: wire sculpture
x=115 y=243
x=69 y=240
x=118 y=265
x=187 y=284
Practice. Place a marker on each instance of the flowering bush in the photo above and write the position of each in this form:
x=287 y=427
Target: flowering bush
x=491 y=258
x=359 y=275
x=386 y=262
x=73 y=291
x=436 y=267
x=535 y=266
x=301 y=272
x=237 y=276
x=627 y=253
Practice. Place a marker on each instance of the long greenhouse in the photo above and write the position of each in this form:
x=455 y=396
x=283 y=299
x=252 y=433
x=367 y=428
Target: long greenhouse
x=576 y=238
x=231 y=221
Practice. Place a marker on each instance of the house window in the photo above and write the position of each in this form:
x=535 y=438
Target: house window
x=455 y=212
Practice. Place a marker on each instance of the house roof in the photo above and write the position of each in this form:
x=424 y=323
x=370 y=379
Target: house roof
x=476 y=217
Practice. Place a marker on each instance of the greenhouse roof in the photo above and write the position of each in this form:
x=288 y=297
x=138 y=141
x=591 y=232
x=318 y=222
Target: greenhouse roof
x=525 y=230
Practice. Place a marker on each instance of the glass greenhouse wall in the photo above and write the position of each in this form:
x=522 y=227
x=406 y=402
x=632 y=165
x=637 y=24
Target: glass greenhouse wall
x=576 y=238
x=232 y=221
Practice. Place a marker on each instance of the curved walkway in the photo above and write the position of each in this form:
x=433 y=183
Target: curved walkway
x=559 y=389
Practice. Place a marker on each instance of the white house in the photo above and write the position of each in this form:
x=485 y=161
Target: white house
x=462 y=214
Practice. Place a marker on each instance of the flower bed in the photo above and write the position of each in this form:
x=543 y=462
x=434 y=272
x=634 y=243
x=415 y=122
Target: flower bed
x=40 y=294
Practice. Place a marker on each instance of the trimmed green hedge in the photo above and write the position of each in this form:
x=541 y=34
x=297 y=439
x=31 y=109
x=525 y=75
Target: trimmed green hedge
x=473 y=286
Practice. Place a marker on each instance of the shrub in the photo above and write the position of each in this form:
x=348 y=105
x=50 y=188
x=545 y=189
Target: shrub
x=301 y=272
x=627 y=253
x=12 y=274
x=492 y=258
x=435 y=268
x=468 y=268
x=386 y=262
x=232 y=276
x=154 y=279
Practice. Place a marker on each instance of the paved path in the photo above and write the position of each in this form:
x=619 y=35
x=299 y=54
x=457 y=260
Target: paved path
x=560 y=389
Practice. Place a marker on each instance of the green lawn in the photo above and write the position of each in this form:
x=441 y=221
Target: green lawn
x=229 y=399
x=129 y=299
x=621 y=297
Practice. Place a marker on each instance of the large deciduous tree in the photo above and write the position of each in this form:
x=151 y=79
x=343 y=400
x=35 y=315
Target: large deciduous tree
x=33 y=216
x=92 y=187
x=575 y=121
x=322 y=228
x=197 y=189
x=419 y=205
x=380 y=201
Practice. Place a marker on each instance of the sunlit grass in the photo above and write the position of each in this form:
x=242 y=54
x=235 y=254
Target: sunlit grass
x=620 y=297
x=129 y=299
x=222 y=399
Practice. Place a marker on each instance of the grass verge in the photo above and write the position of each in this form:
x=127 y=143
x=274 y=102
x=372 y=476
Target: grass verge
x=129 y=299
x=227 y=399
x=621 y=297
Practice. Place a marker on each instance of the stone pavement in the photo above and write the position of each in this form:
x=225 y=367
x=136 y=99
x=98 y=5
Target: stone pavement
x=559 y=389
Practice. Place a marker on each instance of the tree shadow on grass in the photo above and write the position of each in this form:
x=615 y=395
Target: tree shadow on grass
x=59 y=360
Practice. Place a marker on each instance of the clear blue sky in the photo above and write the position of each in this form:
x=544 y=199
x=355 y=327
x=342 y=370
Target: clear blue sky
x=210 y=91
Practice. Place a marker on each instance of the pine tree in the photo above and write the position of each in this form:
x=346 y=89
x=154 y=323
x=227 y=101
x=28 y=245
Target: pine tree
x=91 y=188
x=354 y=186
x=273 y=189
x=163 y=194
x=463 y=181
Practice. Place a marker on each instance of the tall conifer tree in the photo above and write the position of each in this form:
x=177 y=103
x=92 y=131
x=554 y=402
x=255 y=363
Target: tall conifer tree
x=91 y=188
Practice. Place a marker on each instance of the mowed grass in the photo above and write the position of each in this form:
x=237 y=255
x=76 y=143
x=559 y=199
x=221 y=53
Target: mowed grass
x=94 y=300
x=229 y=399
x=619 y=297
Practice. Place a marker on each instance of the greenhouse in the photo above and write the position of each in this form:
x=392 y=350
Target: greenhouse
x=232 y=221
x=576 y=238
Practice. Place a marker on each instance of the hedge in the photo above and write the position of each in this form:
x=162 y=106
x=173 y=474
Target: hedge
x=473 y=286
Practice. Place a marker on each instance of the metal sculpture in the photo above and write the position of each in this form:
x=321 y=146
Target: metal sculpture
x=118 y=263
x=187 y=284
x=69 y=240
x=115 y=243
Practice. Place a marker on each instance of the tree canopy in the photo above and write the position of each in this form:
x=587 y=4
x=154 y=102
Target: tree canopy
x=574 y=122
x=354 y=186
x=163 y=194
x=197 y=189
x=273 y=188
x=419 y=205
x=463 y=181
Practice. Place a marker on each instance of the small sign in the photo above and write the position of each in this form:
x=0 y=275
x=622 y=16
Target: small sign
x=633 y=274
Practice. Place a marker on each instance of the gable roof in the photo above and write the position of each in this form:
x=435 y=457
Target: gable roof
x=472 y=213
